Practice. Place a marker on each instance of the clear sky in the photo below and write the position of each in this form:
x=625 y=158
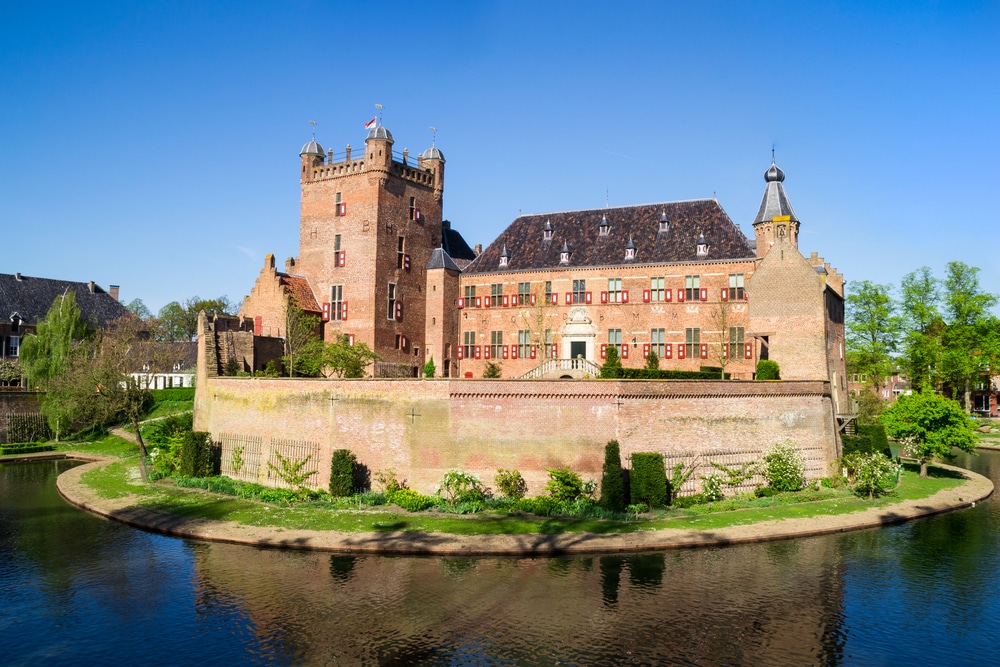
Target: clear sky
x=155 y=145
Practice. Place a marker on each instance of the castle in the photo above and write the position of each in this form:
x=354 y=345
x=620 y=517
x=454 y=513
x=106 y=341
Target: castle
x=380 y=264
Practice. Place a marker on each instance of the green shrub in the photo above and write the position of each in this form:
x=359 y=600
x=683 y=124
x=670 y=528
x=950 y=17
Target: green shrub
x=166 y=457
x=342 y=472
x=873 y=474
x=856 y=444
x=388 y=481
x=768 y=370
x=653 y=361
x=24 y=448
x=564 y=484
x=658 y=374
x=784 y=468
x=648 y=479
x=612 y=366
x=711 y=487
x=196 y=455
x=765 y=492
x=511 y=484
x=429 y=368
x=539 y=505
x=688 y=501
x=459 y=486
x=876 y=433
x=612 y=486
x=410 y=500
x=492 y=371
x=160 y=431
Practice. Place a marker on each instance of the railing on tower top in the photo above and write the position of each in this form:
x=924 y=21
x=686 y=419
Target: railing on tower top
x=561 y=365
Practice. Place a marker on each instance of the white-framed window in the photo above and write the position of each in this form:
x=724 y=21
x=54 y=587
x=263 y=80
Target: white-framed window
x=692 y=342
x=391 y=312
x=579 y=291
x=614 y=290
x=524 y=294
x=14 y=346
x=336 y=302
x=692 y=288
x=656 y=289
x=524 y=344
x=736 y=340
x=496 y=344
x=615 y=340
x=657 y=340
x=468 y=344
x=400 y=251
x=496 y=294
x=736 y=285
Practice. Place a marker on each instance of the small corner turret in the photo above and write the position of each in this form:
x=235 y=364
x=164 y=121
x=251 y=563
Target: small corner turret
x=775 y=218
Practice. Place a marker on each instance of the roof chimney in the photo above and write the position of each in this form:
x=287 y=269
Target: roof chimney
x=91 y=285
x=17 y=276
x=113 y=291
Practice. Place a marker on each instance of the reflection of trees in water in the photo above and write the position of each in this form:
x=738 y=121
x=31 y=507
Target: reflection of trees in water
x=736 y=605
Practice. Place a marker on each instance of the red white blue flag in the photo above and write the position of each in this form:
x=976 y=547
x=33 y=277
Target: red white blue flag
x=370 y=124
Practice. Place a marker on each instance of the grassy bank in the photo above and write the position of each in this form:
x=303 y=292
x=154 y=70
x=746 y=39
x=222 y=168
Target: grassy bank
x=121 y=479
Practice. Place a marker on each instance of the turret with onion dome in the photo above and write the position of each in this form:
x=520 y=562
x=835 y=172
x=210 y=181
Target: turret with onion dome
x=775 y=218
x=312 y=156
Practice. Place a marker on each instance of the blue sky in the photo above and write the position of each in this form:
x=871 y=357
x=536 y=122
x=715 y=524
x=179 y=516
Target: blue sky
x=155 y=145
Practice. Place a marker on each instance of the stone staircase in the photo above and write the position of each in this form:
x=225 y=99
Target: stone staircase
x=563 y=368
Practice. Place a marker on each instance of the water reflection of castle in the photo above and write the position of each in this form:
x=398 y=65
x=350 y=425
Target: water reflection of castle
x=778 y=603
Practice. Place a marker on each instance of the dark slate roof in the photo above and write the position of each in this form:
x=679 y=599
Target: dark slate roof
x=775 y=201
x=441 y=260
x=299 y=289
x=31 y=299
x=455 y=245
x=579 y=230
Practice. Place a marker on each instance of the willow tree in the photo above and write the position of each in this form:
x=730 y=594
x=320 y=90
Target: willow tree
x=44 y=354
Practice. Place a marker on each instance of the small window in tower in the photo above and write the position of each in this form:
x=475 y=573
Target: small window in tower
x=400 y=252
x=341 y=207
x=391 y=312
x=413 y=208
x=336 y=302
x=336 y=242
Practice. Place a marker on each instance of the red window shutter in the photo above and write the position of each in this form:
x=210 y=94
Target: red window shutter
x=725 y=294
x=645 y=351
x=342 y=258
x=746 y=295
x=399 y=310
x=258 y=326
x=604 y=297
x=681 y=350
x=725 y=351
x=506 y=352
x=646 y=296
x=532 y=299
x=506 y=300
x=625 y=296
x=748 y=350
x=488 y=302
x=604 y=351
x=569 y=297
x=486 y=351
x=680 y=295
x=326 y=311
x=588 y=297
x=555 y=299
x=406 y=262
x=625 y=351
x=343 y=208
x=460 y=302
x=479 y=302
x=461 y=351
x=555 y=351
x=417 y=215
x=513 y=351
x=405 y=342
x=704 y=350
x=533 y=351
x=668 y=295
x=343 y=310
x=703 y=295
x=350 y=339
x=668 y=351
x=478 y=351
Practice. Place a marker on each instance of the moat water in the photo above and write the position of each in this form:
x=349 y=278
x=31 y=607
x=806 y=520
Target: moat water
x=79 y=590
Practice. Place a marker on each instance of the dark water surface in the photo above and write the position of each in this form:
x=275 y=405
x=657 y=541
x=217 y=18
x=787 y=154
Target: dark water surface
x=78 y=590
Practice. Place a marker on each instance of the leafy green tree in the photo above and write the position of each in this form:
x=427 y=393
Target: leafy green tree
x=612 y=487
x=180 y=322
x=138 y=308
x=304 y=349
x=492 y=371
x=10 y=372
x=924 y=328
x=429 y=368
x=873 y=330
x=929 y=425
x=341 y=359
x=612 y=366
x=970 y=340
x=653 y=361
x=44 y=353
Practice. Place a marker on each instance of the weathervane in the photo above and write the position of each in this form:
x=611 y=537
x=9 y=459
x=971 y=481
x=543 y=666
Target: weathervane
x=313 y=123
x=379 y=107
x=433 y=136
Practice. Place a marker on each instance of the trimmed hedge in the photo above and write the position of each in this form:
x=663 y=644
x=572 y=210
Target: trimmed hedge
x=871 y=439
x=648 y=479
x=612 y=486
x=173 y=394
x=768 y=370
x=196 y=455
x=658 y=374
x=342 y=472
x=15 y=450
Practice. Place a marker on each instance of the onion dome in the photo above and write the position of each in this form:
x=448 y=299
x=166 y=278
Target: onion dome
x=774 y=174
x=775 y=202
x=379 y=132
x=312 y=148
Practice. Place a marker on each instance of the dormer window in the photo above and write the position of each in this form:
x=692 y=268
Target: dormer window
x=664 y=223
x=547 y=231
x=564 y=254
x=604 y=228
x=177 y=366
x=15 y=323
x=145 y=367
x=629 y=250
x=504 y=257
x=702 y=250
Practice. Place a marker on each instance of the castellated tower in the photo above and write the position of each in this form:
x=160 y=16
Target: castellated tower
x=369 y=224
x=775 y=219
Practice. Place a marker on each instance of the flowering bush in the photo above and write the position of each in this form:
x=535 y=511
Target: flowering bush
x=874 y=474
x=784 y=468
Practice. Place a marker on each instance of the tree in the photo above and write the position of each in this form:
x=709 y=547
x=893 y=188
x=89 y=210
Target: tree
x=429 y=368
x=924 y=328
x=653 y=361
x=612 y=366
x=726 y=318
x=304 y=350
x=492 y=371
x=44 y=353
x=138 y=308
x=929 y=425
x=533 y=318
x=612 y=487
x=341 y=359
x=970 y=341
x=180 y=322
x=873 y=330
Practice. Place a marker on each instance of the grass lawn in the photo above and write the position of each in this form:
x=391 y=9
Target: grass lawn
x=121 y=478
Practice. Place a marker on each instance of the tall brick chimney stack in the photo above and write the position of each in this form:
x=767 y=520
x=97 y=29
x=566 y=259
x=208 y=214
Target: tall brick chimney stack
x=113 y=291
